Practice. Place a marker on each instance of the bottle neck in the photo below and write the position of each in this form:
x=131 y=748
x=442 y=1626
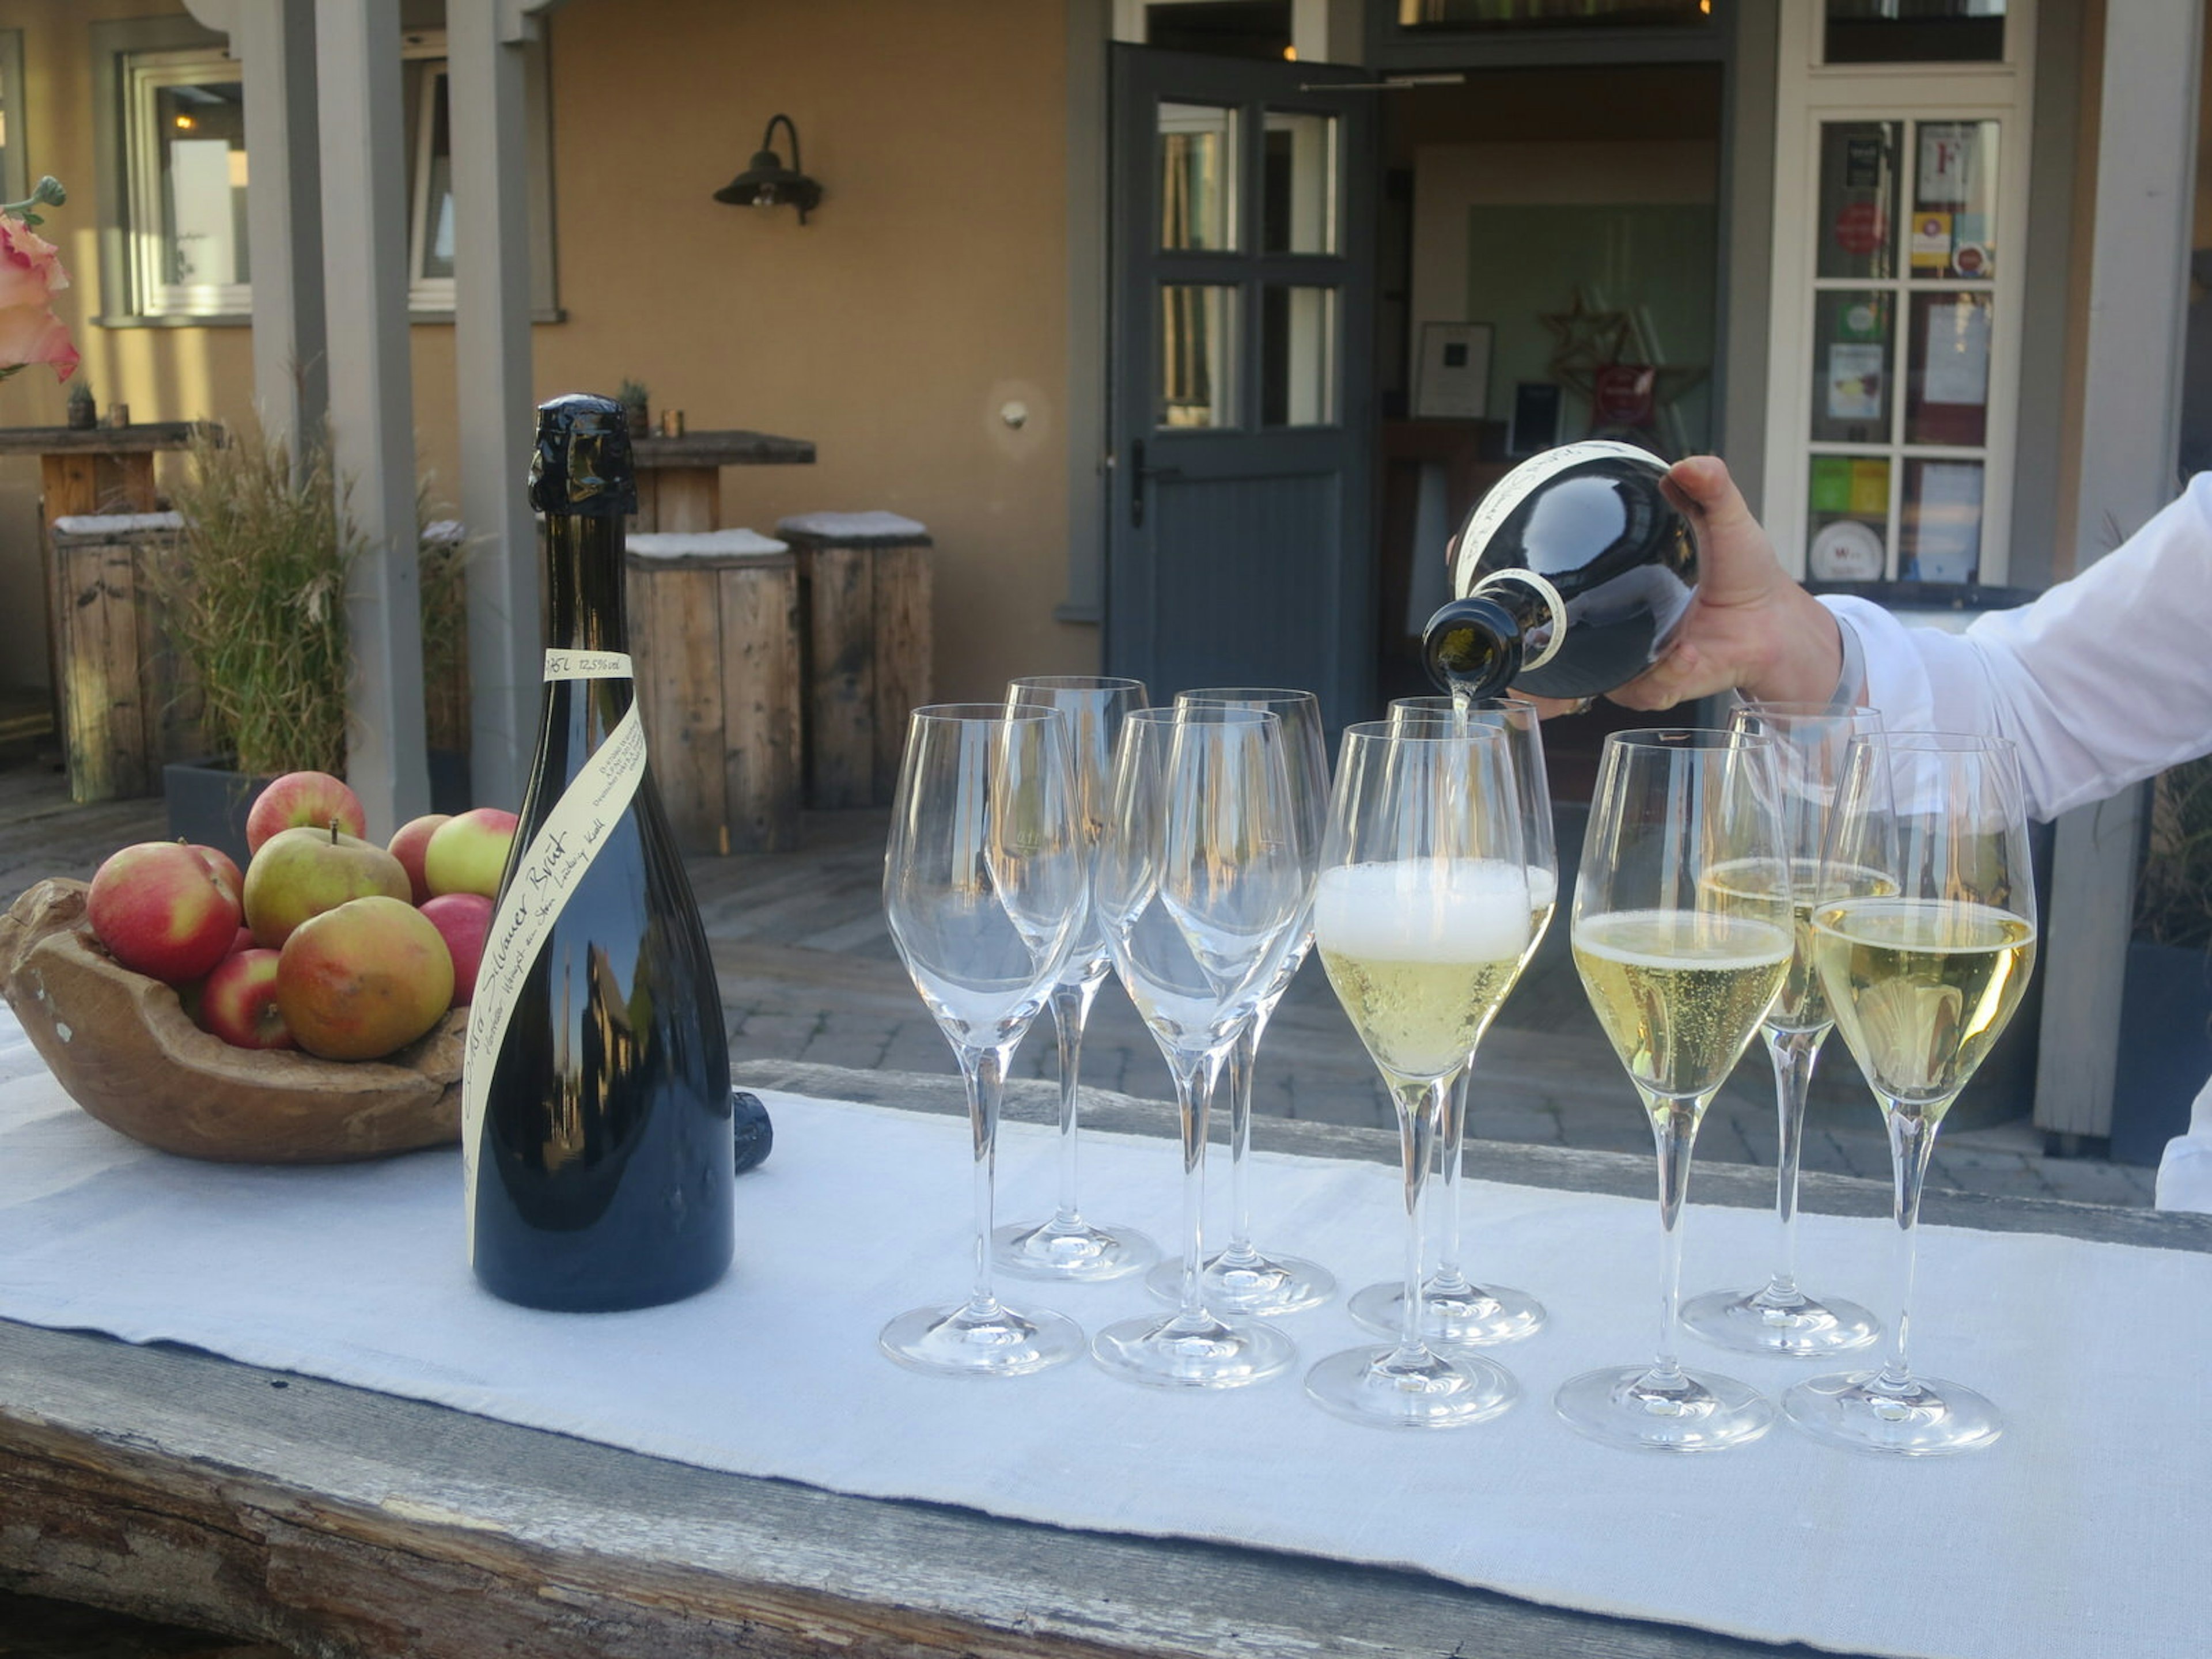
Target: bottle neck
x=584 y=583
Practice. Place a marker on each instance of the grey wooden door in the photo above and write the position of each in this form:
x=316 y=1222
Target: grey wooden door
x=1240 y=542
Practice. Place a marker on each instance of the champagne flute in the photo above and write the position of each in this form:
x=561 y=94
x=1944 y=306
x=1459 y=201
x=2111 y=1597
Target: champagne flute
x=1809 y=741
x=1064 y=1245
x=1923 y=980
x=1421 y=917
x=984 y=888
x=1243 y=1278
x=1679 y=980
x=1454 y=1308
x=1200 y=885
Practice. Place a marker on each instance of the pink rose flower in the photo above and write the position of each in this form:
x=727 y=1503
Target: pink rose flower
x=30 y=271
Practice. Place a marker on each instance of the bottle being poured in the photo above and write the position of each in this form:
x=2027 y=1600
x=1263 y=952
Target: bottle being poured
x=1570 y=575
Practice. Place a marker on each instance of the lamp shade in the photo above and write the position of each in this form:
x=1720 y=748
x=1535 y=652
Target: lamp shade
x=766 y=182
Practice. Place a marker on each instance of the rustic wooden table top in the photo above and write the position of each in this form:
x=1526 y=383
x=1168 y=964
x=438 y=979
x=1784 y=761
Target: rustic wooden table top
x=734 y=448
x=141 y=438
x=173 y=1484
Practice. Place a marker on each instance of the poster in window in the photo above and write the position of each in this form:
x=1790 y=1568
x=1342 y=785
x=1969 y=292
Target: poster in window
x=1947 y=164
x=1854 y=381
x=1947 y=539
x=1955 y=356
x=1452 y=380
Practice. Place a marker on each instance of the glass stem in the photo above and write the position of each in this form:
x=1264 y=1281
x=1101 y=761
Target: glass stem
x=1241 y=1059
x=1194 y=1078
x=1673 y=1133
x=1452 y=1136
x=1071 y=1011
x=1793 y=1054
x=984 y=1071
x=1419 y=1105
x=1911 y=1142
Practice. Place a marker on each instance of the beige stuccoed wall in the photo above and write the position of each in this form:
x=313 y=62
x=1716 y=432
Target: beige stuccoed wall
x=927 y=291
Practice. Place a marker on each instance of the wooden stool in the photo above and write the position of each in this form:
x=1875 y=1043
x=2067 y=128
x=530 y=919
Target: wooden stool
x=127 y=702
x=864 y=594
x=713 y=627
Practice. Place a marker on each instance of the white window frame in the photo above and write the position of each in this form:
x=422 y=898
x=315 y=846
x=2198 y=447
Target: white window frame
x=144 y=74
x=424 y=60
x=1809 y=92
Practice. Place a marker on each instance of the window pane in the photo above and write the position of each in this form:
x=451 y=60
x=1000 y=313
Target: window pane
x=1850 y=366
x=1850 y=519
x=1946 y=393
x=436 y=229
x=1916 y=31
x=1297 y=207
x=1198 y=177
x=1858 y=198
x=1198 y=361
x=1940 y=539
x=1297 y=356
x=1955 y=200
x=200 y=138
x=1550 y=13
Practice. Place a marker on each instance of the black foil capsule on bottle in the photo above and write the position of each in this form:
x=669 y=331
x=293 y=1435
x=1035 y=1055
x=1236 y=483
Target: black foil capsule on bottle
x=1570 y=575
x=599 y=1140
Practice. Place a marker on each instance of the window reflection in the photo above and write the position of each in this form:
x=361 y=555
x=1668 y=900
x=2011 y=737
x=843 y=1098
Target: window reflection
x=1197 y=162
x=1198 y=323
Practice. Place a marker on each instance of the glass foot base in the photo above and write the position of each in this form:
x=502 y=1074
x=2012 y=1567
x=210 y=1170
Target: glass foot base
x=1074 y=1251
x=1693 y=1411
x=989 y=1340
x=1759 y=1321
x=1466 y=1316
x=1432 y=1391
x=1192 y=1352
x=1253 y=1285
x=1928 y=1418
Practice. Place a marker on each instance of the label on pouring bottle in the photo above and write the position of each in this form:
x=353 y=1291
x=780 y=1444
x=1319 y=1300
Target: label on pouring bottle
x=551 y=866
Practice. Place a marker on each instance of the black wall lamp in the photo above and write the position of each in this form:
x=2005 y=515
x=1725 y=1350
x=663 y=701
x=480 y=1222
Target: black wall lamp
x=766 y=182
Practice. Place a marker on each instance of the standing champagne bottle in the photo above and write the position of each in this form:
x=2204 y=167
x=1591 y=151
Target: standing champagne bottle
x=1570 y=574
x=596 y=1090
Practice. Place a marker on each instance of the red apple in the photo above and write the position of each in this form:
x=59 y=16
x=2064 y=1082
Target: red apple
x=300 y=798
x=299 y=873
x=360 y=981
x=238 y=1002
x=161 y=909
x=244 y=941
x=408 y=845
x=462 y=920
x=222 y=863
x=469 y=854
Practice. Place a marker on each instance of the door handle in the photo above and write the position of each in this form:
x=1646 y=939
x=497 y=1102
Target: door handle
x=1137 y=473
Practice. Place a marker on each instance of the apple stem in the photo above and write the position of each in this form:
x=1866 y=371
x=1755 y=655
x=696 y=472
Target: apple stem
x=334 y=832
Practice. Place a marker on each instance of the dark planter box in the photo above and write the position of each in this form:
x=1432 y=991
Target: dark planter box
x=207 y=803
x=449 y=781
x=2166 y=1048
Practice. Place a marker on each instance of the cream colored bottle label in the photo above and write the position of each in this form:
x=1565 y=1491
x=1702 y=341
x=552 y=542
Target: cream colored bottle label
x=552 y=866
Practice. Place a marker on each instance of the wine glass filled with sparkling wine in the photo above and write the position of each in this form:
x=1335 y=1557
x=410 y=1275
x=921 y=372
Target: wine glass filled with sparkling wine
x=1421 y=918
x=1923 y=978
x=1200 y=882
x=984 y=888
x=1679 y=979
x=1066 y=1245
x=1241 y=1278
x=1809 y=741
x=1453 y=1308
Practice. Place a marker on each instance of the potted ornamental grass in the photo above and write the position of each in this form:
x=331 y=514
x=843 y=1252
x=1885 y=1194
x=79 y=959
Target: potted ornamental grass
x=2165 y=1008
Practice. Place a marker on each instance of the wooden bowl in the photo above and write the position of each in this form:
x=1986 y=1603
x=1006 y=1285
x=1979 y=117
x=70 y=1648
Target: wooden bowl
x=125 y=1050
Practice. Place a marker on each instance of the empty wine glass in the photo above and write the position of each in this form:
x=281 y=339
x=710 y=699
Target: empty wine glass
x=1923 y=978
x=1421 y=918
x=984 y=888
x=1810 y=742
x=1679 y=976
x=1200 y=884
x=1244 y=1279
x=1064 y=1245
x=1454 y=1308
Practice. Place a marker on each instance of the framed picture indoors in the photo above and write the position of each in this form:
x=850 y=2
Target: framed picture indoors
x=1451 y=380
x=1535 y=418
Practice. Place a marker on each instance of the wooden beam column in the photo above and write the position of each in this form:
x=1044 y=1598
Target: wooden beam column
x=371 y=395
x=492 y=360
x=2131 y=420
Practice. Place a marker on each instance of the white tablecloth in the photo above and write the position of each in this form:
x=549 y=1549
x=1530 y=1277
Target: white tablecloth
x=2080 y=1533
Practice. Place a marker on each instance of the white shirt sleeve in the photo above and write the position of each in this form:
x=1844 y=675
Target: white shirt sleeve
x=2102 y=681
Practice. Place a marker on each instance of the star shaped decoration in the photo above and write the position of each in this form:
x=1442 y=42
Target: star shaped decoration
x=1589 y=340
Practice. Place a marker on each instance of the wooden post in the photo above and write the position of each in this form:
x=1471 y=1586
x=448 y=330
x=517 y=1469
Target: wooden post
x=124 y=706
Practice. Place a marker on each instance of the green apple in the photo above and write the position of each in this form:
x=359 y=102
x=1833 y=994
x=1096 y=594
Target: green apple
x=469 y=854
x=299 y=874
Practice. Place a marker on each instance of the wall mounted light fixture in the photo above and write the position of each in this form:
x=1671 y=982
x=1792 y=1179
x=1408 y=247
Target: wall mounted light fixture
x=766 y=182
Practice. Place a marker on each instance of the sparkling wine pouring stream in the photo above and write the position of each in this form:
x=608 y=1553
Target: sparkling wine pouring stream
x=596 y=1089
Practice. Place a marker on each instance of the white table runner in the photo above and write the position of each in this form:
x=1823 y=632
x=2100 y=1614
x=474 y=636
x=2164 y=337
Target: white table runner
x=2080 y=1533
